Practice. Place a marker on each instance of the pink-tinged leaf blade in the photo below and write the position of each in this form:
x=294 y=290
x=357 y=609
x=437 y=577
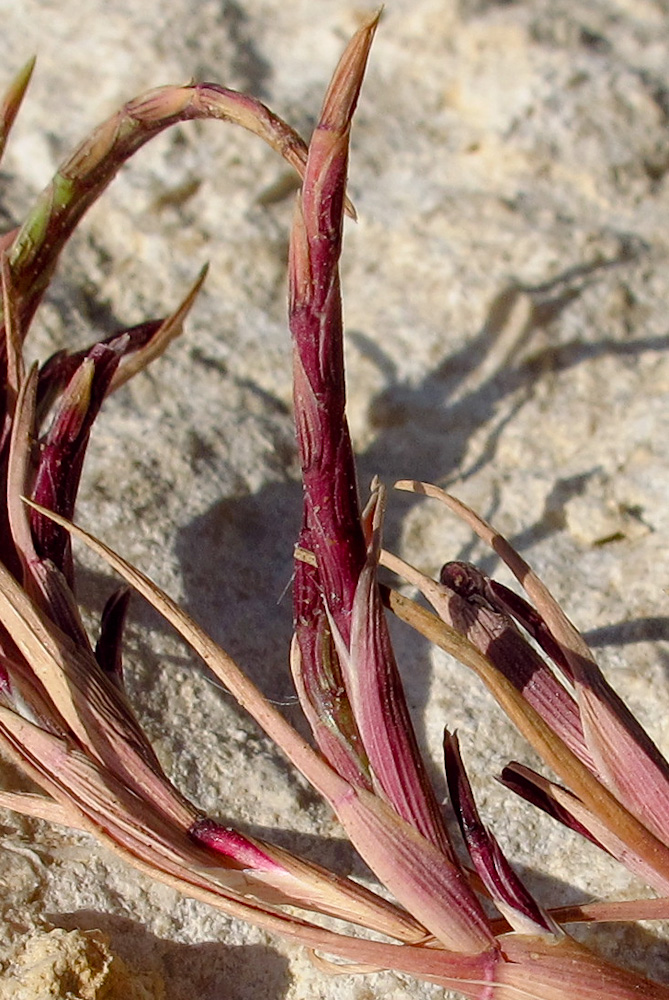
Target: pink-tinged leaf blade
x=43 y=581
x=536 y=969
x=372 y=680
x=57 y=370
x=622 y=755
x=535 y=789
x=623 y=910
x=505 y=887
x=567 y=808
x=533 y=623
x=306 y=884
x=469 y=636
x=323 y=698
x=137 y=346
x=419 y=875
x=595 y=795
x=628 y=761
x=62 y=453
x=470 y=605
x=93 y=799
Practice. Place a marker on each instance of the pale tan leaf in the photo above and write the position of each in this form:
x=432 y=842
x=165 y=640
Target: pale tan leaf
x=40 y=807
x=23 y=428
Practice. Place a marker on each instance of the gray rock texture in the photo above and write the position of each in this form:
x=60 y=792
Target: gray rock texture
x=506 y=294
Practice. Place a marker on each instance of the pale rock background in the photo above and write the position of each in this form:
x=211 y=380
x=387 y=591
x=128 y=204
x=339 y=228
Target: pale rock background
x=508 y=335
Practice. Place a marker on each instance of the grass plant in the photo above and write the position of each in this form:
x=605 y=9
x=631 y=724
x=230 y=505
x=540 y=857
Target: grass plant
x=66 y=720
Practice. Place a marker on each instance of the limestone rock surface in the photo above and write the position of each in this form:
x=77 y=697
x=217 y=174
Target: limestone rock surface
x=506 y=293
